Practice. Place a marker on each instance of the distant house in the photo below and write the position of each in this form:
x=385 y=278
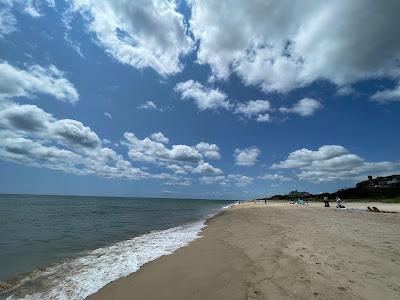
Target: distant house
x=386 y=182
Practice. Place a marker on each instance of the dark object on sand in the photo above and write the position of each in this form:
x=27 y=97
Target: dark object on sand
x=4 y=286
x=375 y=209
x=326 y=202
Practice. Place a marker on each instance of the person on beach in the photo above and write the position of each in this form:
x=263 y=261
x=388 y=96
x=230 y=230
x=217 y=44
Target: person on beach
x=326 y=201
x=339 y=203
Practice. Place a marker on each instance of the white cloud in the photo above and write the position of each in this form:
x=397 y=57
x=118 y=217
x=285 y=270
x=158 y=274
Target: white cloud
x=185 y=182
x=277 y=177
x=235 y=179
x=389 y=95
x=246 y=157
x=143 y=33
x=33 y=137
x=149 y=105
x=159 y=137
x=29 y=120
x=212 y=179
x=74 y=133
x=207 y=168
x=345 y=90
x=204 y=97
x=304 y=157
x=305 y=107
x=182 y=159
x=179 y=169
x=208 y=150
x=283 y=45
x=35 y=80
x=8 y=22
x=240 y=180
x=254 y=109
x=108 y=115
x=334 y=163
x=263 y=118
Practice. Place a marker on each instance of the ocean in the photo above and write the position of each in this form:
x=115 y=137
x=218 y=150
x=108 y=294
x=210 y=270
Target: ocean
x=68 y=247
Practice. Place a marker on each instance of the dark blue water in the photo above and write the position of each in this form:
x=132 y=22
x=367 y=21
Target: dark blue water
x=37 y=231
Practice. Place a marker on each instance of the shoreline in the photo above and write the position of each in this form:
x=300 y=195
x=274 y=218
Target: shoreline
x=260 y=251
x=120 y=259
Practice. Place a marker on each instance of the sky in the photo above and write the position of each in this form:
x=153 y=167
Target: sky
x=211 y=99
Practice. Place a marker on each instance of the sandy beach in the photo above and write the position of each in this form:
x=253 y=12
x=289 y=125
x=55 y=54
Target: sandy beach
x=278 y=251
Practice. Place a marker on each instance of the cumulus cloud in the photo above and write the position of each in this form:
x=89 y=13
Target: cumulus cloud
x=254 y=109
x=138 y=33
x=15 y=82
x=274 y=177
x=179 y=158
x=283 y=45
x=159 y=137
x=31 y=120
x=213 y=179
x=303 y=157
x=33 y=137
x=388 y=95
x=231 y=179
x=263 y=118
x=28 y=118
x=305 y=107
x=208 y=150
x=207 y=168
x=246 y=157
x=334 y=163
x=204 y=97
x=74 y=133
x=148 y=105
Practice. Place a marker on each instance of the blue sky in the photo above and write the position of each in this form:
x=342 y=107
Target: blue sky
x=199 y=99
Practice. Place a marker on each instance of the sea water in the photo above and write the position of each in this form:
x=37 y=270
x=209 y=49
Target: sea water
x=68 y=247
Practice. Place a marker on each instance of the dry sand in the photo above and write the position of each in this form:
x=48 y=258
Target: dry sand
x=278 y=251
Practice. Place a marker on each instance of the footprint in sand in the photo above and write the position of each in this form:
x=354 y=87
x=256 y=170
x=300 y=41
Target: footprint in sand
x=370 y=275
x=394 y=288
x=336 y=267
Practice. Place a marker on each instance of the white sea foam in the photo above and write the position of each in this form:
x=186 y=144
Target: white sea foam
x=229 y=206
x=82 y=276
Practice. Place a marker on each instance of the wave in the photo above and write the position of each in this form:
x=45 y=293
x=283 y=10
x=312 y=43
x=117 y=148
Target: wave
x=230 y=205
x=82 y=276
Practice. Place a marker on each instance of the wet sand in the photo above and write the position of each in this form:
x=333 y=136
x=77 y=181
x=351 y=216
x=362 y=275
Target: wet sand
x=278 y=251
